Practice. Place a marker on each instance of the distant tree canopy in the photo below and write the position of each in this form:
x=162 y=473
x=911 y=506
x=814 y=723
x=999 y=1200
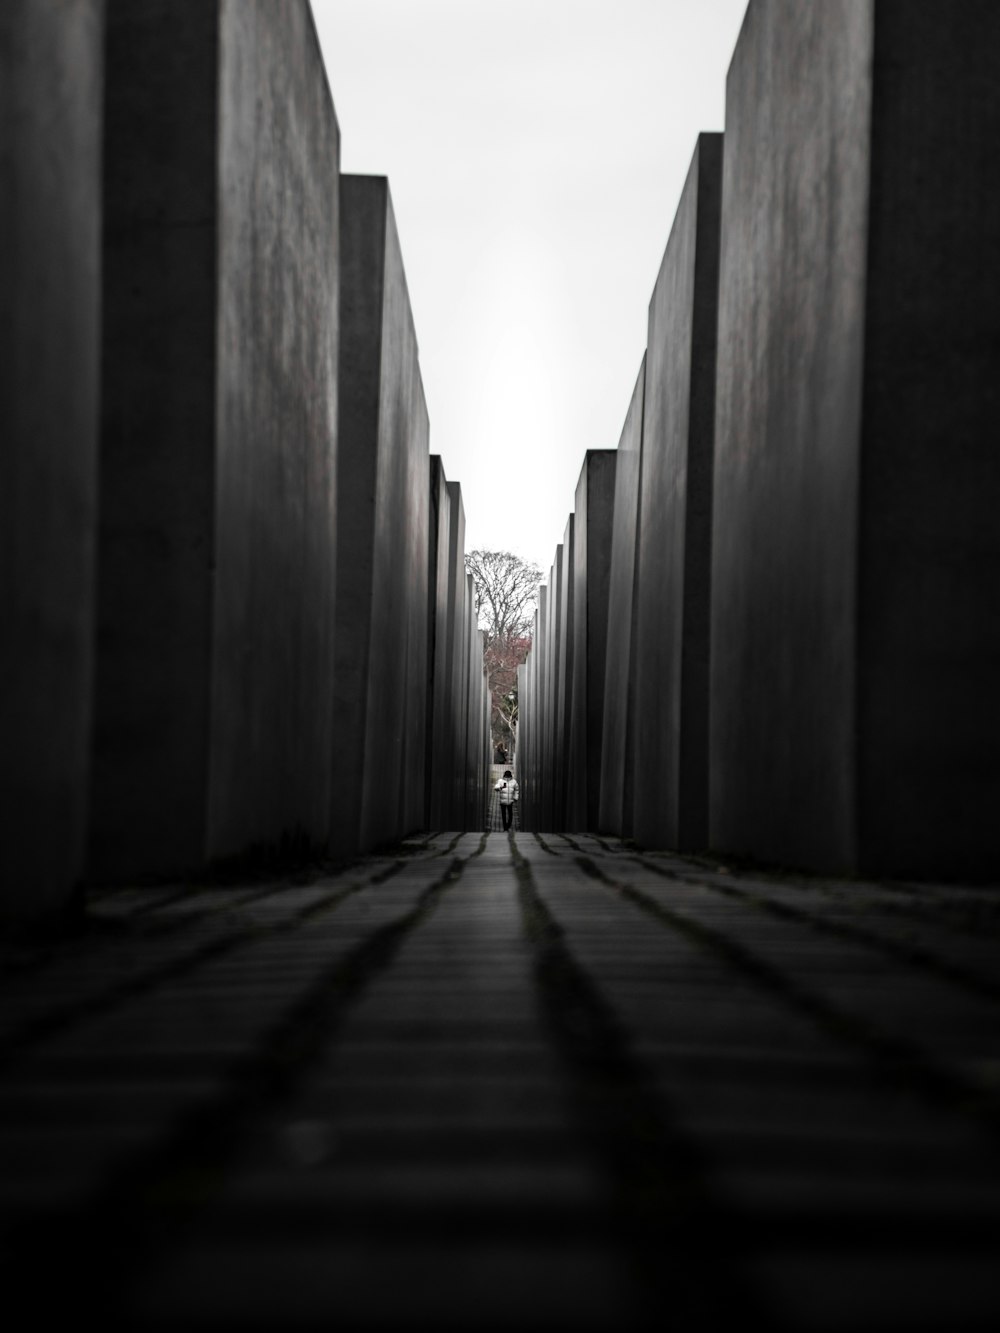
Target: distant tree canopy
x=506 y=595
x=506 y=592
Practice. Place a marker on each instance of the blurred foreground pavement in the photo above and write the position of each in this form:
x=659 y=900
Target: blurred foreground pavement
x=495 y=1083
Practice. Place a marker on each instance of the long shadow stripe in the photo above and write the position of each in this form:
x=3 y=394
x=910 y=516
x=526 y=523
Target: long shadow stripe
x=915 y=955
x=146 y=1203
x=678 y=1237
x=76 y=1012
x=891 y=1059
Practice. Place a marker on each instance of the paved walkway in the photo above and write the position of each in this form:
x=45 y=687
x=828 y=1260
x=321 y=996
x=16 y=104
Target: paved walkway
x=508 y=1084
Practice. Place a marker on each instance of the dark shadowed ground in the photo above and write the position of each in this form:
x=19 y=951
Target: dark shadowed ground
x=507 y=1084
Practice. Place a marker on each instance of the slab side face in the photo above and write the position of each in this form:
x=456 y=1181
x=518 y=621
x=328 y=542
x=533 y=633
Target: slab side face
x=417 y=569
x=276 y=405
x=562 y=775
x=619 y=703
x=791 y=315
x=457 y=679
x=671 y=749
x=543 y=811
x=157 y=442
x=594 y=509
x=50 y=236
x=362 y=260
x=929 y=631
x=438 y=766
x=576 y=757
x=474 y=700
x=395 y=583
x=556 y=663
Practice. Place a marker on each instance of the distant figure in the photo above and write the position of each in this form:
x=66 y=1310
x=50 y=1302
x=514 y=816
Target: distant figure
x=500 y=755
x=507 y=788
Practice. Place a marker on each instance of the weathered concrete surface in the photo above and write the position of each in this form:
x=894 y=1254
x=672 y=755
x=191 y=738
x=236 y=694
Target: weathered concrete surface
x=563 y=700
x=928 y=632
x=439 y=758
x=791 y=323
x=50 y=227
x=856 y=556
x=483 y=760
x=219 y=390
x=526 y=770
x=563 y=1100
x=555 y=665
x=673 y=605
x=594 y=510
x=158 y=440
x=397 y=585
x=417 y=564
x=382 y=528
x=531 y=796
x=475 y=744
x=458 y=666
x=543 y=807
x=276 y=420
x=618 y=730
x=522 y=761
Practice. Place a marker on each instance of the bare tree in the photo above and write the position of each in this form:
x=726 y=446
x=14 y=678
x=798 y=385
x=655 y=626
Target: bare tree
x=506 y=596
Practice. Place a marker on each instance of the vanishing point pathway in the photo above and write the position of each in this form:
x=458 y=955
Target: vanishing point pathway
x=507 y=1083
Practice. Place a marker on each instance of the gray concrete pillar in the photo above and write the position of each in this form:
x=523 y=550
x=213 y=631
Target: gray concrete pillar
x=594 y=510
x=50 y=229
x=458 y=674
x=381 y=528
x=675 y=522
x=417 y=745
x=438 y=756
x=556 y=820
x=619 y=718
x=543 y=808
x=854 y=714
x=221 y=298
x=563 y=694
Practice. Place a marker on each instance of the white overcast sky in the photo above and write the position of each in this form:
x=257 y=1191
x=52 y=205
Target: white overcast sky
x=536 y=151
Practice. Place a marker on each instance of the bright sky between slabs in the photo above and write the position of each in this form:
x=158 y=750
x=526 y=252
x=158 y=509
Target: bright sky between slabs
x=536 y=151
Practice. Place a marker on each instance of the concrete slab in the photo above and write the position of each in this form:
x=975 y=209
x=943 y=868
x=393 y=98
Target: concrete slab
x=221 y=299
x=594 y=509
x=555 y=665
x=458 y=678
x=398 y=588
x=526 y=768
x=417 y=737
x=439 y=759
x=618 y=725
x=543 y=807
x=856 y=553
x=51 y=61
x=563 y=701
x=675 y=521
x=476 y=746
x=380 y=680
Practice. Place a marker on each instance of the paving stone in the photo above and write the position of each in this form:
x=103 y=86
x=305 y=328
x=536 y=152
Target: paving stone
x=514 y=1087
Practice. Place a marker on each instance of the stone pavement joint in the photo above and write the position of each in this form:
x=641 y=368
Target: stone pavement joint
x=505 y=1081
x=658 y=1192
x=893 y=1059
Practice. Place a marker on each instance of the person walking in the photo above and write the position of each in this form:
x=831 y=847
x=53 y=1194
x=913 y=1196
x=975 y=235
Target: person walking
x=507 y=788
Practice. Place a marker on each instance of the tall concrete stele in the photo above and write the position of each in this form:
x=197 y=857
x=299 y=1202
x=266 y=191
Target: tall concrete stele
x=856 y=552
x=215 y=485
x=804 y=556
x=50 y=242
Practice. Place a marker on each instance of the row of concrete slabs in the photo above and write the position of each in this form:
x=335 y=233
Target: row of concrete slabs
x=802 y=627
x=237 y=618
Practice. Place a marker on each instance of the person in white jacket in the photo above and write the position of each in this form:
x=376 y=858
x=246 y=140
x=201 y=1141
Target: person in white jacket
x=507 y=788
